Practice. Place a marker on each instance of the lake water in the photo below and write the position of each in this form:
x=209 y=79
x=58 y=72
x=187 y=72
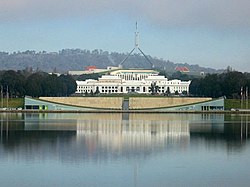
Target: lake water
x=108 y=150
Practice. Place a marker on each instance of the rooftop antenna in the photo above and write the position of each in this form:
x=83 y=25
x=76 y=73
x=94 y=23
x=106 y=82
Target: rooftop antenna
x=136 y=48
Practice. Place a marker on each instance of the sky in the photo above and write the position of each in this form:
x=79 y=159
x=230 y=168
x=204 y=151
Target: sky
x=210 y=33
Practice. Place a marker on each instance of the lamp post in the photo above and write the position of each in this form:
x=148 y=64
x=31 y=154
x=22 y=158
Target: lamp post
x=241 y=97
x=1 y=96
x=246 y=97
x=7 y=97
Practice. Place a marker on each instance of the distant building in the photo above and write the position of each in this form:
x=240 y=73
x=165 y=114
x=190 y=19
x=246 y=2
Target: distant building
x=132 y=81
x=183 y=69
x=92 y=69
x=57 y=74
x=202 y=73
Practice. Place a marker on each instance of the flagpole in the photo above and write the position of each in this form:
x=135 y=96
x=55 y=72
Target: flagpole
x=246 y=97
x=241 y=95
x=1 y=96
x=7 y=97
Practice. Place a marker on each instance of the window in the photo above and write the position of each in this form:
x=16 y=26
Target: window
x=133 y=89
x=36 y=107
x=28 y=107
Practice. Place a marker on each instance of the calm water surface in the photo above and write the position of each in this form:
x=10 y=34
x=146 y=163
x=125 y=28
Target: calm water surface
x=124 y=150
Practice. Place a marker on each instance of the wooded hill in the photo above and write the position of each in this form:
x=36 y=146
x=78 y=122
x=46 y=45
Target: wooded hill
x=77 y=59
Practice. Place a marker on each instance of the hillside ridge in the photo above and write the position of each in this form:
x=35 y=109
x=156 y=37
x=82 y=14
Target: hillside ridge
x=77 y=59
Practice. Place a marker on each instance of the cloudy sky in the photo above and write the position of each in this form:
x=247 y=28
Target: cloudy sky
x=211 y=33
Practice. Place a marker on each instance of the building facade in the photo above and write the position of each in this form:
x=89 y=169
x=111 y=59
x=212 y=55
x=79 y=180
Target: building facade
x=132 y=81
x=159 y=104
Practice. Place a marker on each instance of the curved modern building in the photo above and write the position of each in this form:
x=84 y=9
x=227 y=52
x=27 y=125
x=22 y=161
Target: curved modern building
x=134 y=104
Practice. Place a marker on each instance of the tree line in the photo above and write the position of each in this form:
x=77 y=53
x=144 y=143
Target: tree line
x=231 y=84
x=35 y=84
x=78 y=59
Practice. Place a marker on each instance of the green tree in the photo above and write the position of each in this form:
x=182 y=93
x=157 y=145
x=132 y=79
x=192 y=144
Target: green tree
x=232 y=83
x=91 y=93
x=167 y=93
x=216 y=85
x=86 y=93
x=68 y=85
x=154 y=89
x=97 y=91
x=184 y=92
x=51 y=86
x=33 y=85
x=181 y=76
x=15 y=82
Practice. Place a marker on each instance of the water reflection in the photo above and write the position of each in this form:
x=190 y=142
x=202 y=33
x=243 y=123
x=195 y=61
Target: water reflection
x=75 y=137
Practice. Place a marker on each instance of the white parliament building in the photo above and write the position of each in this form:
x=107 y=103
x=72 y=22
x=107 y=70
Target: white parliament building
x=132 y=81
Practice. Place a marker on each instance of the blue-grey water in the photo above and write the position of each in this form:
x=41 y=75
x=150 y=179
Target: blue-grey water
x=108 y=150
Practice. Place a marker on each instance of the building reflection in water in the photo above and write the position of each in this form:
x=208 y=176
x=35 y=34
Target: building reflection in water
x=132 y=132
x=72 y=137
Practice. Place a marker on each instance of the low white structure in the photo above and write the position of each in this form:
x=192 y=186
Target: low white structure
x=92 y=70
x=129 y=81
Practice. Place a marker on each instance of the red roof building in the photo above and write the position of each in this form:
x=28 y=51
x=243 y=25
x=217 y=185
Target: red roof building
x=182 y=69
x=90 y=68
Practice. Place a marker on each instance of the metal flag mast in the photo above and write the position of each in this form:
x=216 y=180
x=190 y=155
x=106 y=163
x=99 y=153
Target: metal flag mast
x=136 y=47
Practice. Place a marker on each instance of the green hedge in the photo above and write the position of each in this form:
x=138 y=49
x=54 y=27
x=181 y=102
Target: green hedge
x=236 y=103
x=12 y=102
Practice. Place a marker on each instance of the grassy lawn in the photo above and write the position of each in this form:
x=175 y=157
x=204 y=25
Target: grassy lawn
x=236 y=103
x=12 y=102
x=126 y=96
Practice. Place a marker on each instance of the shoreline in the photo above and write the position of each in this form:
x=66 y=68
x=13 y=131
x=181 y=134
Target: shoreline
x=129 y=111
